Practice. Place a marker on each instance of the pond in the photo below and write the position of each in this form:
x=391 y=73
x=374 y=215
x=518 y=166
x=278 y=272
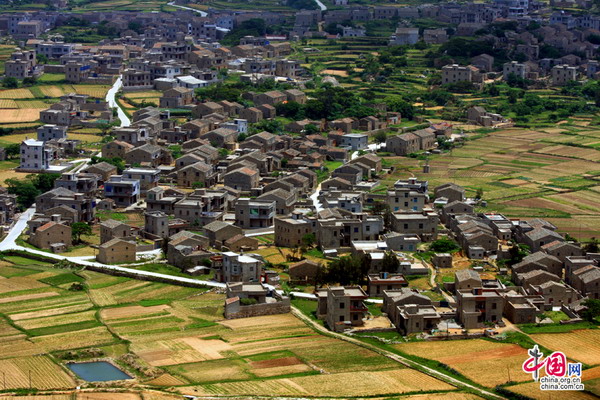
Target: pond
x=98 y=371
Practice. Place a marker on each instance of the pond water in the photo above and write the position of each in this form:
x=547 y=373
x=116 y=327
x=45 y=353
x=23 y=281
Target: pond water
x=98 y=371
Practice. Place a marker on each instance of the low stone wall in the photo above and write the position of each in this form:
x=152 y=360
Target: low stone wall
x=455 y=337
x=236 y=310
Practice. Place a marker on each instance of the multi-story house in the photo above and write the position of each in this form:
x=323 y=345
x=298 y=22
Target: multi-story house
x=35 y=155
x=239 y=268
x=343 y=307
x=406 y=200
x=123 y=191
x=479 y=306
x=251 y=213
x=148 y=177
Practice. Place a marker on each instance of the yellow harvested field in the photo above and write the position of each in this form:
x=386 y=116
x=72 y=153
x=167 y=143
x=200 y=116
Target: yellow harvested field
x=166 y=380
x=24 y=104
x=581 y=345
x=19 y=283
x=74 y=340
x=44 y=373
x=181 y=350
x=9 y=173
x=50 y=312
x=39 y=397
x=85 y=137
x=336 y=385
x=20 y=115
x=482 y=361
x=96 y=91
x=532 y=390
x=16 y=94
x=108 y=396
x=19 y=347
x=55 y=91
x=131 y=311
x=143 y=95
x=57 y=320
x=25 y=297
x=8 y=103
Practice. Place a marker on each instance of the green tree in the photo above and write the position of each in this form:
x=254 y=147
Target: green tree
x=592 y=311
x=10 y=82
x=78 y=229
x=309 y=240
x=444 y=245
x=591 y=246
x=25 y=190
x=12 y=150
x=41 y=58
x=390 y=262
x=479 y=194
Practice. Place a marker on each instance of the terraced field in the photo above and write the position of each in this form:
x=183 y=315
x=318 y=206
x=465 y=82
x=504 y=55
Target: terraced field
x=179 y=339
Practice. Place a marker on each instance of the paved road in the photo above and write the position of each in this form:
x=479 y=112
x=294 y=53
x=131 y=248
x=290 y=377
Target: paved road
x=395 y=357
x=322 y=6
x=202 y=13
x=9 y=244
x=112 y=102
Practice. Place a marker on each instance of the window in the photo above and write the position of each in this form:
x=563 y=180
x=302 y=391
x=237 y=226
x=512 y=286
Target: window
x=341 y=318
x=342 y=306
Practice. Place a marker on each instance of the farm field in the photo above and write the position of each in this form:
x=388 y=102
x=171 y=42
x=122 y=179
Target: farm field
x=525 y=174
x=581 y=345
x=178 y=339
x=23 y=105
x=482 y=361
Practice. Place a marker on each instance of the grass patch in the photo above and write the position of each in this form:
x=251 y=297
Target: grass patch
x=556 y=328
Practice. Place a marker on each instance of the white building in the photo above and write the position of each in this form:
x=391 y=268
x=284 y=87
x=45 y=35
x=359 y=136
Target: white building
x=514 y=67
x=404 y=36
x=562 y=74
x=240 y=268
x=35 y=156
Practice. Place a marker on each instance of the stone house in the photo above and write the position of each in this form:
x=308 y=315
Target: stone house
x=148 y=155
x=218 y=232
x=176 y=98
x=240 y=243
x=539 y=237
x=466 y=279
x=403 y=145
x=103 y=169
x=243 y=179
x=252 y=115
x=450 y=191
x=111 y=229
x=587 y=281
x=562 y=250
x=53 y=235
x=210 y=107
x=221 y=137
x=268 y=111
x=442 y=260
x=273 y=97
x=284 y=200
x=304 y=272
x=197 y=173
x=253 y=299
x=295 y=95
x=116 y=251
x=290 y=231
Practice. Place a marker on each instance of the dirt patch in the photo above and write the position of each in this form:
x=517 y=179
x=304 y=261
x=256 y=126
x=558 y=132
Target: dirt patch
x=276 y=362
x=506 y=351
